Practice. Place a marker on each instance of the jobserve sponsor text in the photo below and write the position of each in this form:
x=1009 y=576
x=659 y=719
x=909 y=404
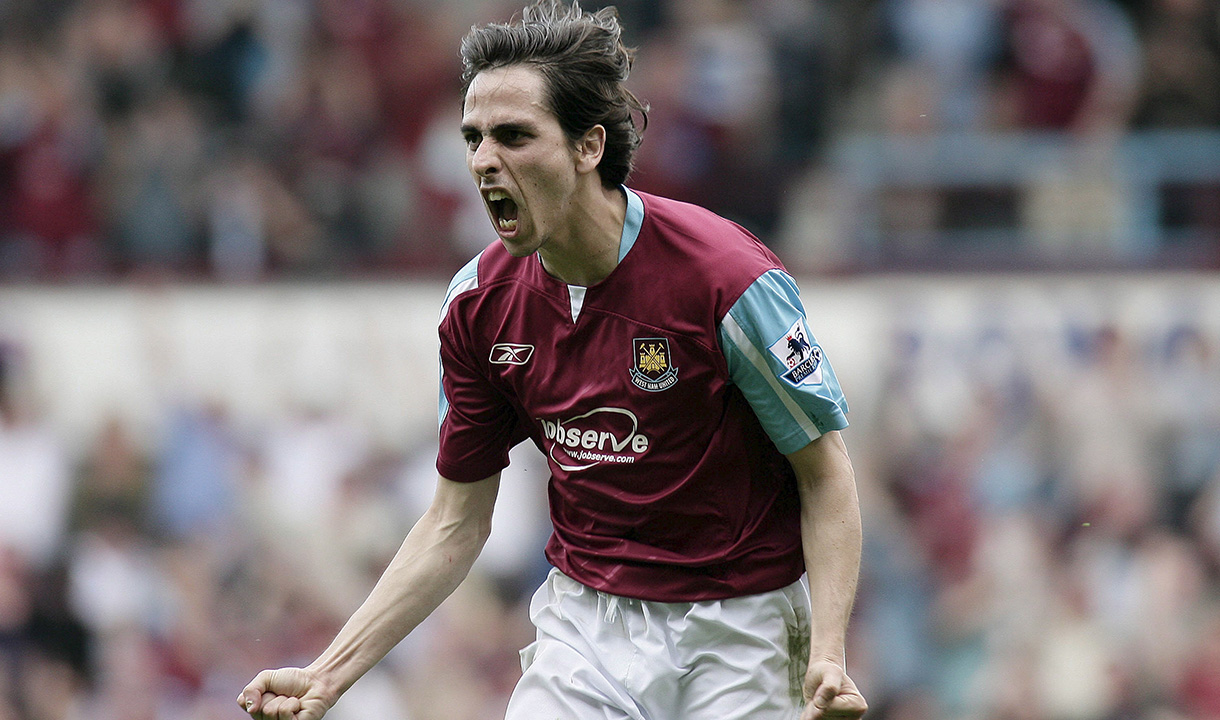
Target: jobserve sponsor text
x=602 y=435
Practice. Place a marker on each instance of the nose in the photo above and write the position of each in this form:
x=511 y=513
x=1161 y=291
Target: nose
x=484 y=161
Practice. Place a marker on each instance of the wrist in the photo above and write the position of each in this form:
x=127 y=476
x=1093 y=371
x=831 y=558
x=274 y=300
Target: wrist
x=833 y=654
x=326 y=681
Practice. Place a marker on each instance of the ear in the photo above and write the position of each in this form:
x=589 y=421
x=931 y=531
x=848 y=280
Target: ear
x=589 y=149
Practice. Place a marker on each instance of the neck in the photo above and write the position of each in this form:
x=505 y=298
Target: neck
x=589 y=251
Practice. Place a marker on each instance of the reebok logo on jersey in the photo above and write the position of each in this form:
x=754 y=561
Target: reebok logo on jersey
x=511 y=354
x=802 y=358
x=602 y=435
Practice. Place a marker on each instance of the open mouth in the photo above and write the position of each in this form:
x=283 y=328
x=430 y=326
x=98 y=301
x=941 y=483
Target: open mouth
x=503 y=210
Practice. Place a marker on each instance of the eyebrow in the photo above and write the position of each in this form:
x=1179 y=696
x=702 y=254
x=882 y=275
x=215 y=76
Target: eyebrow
x=524 y=127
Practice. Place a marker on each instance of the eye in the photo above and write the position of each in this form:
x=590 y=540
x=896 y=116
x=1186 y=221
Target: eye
x=472 y=140
x=511 y=136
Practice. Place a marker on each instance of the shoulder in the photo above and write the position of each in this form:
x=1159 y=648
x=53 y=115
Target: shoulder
x=687 y=218
x=464 y=280
x=493 y=266
x=708 y=247
x=699 y=231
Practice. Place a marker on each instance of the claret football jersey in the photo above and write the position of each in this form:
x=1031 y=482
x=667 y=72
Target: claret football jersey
x=663 y=397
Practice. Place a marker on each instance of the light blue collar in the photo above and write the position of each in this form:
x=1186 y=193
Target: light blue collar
x=632 y=224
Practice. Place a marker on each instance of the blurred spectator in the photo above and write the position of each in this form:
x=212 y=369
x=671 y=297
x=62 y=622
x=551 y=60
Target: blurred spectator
x=35 y=475
x=114 y=482
x=197 y=474
x=1181 y=92
x=951 y=43
x=1075 y=659
x=806 y=62
x=16 y=607
x=1102 y=434
x=45 y=649
x=305 y=461
x=1067 y=65
x=1188 y=445
x=115 y=583
x=49 y=143
x=1181 y=78
x=1200 y=685
x=152 y=170
x=716 y=95
x=237 y=221
x=1071 y=66
x=304 y=467
x=224 y=56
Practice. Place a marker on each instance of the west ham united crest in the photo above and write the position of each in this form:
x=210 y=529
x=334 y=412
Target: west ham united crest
x=653 y=369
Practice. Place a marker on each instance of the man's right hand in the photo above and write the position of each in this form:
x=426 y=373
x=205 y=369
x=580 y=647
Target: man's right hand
x=285 y=694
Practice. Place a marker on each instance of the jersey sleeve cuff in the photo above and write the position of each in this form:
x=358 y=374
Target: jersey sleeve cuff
x=466 y=472
x=798 y=439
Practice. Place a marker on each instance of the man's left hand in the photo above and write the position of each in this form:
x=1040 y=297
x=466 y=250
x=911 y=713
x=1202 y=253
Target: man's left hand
x=830 y=694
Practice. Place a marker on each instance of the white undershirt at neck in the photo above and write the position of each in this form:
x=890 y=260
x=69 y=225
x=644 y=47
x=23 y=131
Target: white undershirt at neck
x=631 y=230
x=576 y=298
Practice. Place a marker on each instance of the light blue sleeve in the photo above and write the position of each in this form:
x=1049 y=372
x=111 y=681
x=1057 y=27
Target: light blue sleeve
x=466 y=279
x=778 y=365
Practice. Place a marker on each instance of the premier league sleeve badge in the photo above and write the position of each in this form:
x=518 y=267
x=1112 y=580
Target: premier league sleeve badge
x=799 y=355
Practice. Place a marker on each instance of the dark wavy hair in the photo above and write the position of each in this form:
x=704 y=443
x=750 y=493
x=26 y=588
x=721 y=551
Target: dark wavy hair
x=584 y=62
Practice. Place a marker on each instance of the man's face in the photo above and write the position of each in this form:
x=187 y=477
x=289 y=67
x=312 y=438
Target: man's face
x=524 y=165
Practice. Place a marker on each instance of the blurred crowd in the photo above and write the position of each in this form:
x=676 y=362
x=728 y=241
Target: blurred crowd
x=1043 y=523
x=149 y=577
x=1042 y=540
x=241 y=139
x=1042 y=504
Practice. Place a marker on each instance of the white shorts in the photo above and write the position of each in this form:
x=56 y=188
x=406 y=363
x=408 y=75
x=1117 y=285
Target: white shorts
x=603 y=657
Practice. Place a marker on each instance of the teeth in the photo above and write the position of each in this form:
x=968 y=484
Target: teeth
x=507 y=225
x=495 y=195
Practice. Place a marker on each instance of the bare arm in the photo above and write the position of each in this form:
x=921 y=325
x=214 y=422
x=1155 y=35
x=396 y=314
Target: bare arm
x=831 y=535
x=433 y=560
